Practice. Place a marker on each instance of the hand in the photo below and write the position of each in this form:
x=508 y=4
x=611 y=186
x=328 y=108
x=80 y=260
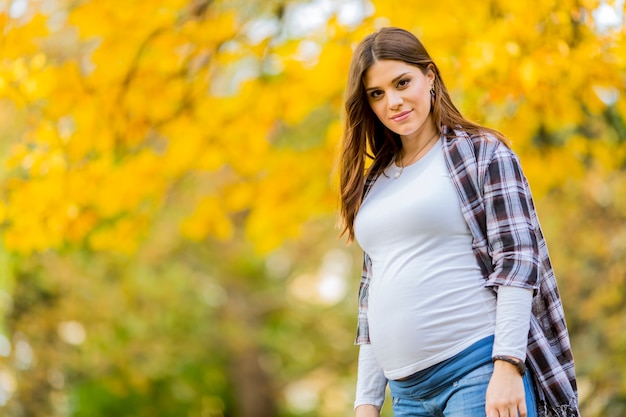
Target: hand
x=367 y=410
x=505 y=393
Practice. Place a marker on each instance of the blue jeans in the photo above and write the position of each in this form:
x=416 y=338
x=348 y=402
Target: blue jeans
x=463 y=398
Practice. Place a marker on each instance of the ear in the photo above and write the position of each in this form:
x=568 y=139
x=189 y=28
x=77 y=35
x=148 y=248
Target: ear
x=430 y=73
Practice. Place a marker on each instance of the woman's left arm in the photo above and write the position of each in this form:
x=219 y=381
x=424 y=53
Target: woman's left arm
x=515 y=259
x=506 y=392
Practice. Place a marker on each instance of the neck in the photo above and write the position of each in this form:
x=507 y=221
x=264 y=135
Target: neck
x=411 y=144
x=414 y=148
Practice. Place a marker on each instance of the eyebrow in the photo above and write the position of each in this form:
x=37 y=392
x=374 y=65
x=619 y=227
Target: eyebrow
x=392 y=81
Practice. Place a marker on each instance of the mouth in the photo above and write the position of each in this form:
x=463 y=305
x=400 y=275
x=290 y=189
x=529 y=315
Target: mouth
x=401 y=116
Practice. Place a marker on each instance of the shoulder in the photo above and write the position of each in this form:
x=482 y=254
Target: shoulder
x=480 y=148
x=482 y=142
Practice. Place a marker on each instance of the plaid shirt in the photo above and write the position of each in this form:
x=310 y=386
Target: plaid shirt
x=507 y=240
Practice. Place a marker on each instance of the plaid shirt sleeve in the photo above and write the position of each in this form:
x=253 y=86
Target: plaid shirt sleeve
x=512 y=242
x=363 y=331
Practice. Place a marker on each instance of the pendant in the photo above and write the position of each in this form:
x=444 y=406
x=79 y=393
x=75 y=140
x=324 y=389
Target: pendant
x=397 y=174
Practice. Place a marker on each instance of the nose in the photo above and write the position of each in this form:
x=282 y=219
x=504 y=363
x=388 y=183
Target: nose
x=394 y=100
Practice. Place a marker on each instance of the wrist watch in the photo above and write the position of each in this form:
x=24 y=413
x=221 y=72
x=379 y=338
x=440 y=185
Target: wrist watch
x=519 y=364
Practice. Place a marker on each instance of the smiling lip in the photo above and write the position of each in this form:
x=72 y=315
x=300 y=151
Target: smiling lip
x=401 y=116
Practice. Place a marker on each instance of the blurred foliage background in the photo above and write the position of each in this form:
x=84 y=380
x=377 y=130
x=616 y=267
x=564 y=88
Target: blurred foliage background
x=168 y=193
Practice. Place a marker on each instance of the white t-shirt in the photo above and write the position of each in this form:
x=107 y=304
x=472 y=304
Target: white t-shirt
x=427 y=300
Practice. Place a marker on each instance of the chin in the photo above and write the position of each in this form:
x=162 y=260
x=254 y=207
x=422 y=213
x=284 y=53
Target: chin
x=406 y=132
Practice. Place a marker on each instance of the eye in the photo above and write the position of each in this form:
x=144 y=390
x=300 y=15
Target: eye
x=376 y=94
x=403 y=83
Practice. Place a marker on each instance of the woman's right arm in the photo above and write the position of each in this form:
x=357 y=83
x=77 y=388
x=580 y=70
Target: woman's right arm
x=371 y=381
x=371 y=384
x=367 y=411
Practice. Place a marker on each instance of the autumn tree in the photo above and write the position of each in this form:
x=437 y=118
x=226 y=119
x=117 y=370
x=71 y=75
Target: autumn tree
x=168 y=202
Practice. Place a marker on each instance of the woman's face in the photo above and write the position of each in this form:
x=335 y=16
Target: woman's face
x=399 y=95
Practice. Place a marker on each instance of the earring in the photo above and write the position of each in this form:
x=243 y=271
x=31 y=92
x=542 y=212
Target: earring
x=432 y=97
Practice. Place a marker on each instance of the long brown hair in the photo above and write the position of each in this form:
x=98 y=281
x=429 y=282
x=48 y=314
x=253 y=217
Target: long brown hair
x=365 y=137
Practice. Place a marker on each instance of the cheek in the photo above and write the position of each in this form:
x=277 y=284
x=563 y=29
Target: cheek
x=378 y=108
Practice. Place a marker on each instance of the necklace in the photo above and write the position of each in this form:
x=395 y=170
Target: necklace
x=398 y=173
